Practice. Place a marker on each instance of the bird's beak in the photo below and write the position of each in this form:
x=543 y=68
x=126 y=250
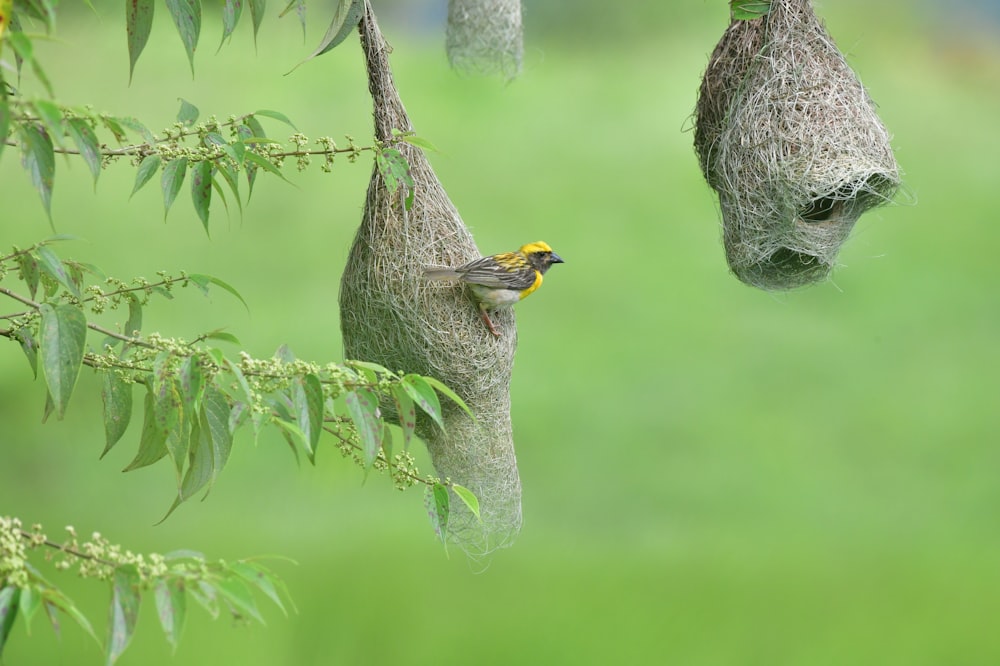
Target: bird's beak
x=556 y=259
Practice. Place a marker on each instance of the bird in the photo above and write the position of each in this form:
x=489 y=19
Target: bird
x=500 y=280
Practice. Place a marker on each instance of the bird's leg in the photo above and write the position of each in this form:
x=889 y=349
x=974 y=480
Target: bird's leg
x=486 y=319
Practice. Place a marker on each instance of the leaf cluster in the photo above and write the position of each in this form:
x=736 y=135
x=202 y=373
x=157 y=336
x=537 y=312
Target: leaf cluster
x=172 y=579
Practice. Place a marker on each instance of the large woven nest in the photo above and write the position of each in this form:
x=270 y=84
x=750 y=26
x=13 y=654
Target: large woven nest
x=485 y=36
x=392 y=315
x=788 y=137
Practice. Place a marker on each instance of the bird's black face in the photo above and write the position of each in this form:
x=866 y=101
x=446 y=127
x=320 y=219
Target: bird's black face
x=541 y=261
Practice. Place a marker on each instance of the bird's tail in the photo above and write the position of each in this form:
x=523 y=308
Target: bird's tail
x=440 y=273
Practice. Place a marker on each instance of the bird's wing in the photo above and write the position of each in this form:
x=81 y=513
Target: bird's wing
x=502 y=272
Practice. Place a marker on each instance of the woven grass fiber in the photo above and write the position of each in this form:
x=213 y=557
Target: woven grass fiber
x=392 y=315
x=788 y=137
x=485 y=36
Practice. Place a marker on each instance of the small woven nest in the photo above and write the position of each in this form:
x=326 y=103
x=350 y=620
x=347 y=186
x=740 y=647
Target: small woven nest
x=391 y=314
x=788 y=137
x=485 y=36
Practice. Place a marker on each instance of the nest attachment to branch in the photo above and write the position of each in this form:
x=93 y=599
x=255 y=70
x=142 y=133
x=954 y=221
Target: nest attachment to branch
x=391 y=314
x=788 y=137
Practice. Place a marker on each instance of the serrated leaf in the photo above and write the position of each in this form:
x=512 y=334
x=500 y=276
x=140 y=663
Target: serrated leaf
x=215 y=418
x=171 y=180
x=276 y=115
x=51 y=116
x=231 y=11
x=345 y=20
x=9 y=597
x=362 y=405
x=468 y=498
x=307 y=400
x=257 y=8
x=134 y=322
x=54 y=600
x=86 y=142
x=148 y=167
x=261 y=578
x=138 y=23
x=171 y=607
x=236 y=593
x=201 y=190
x=423 y=394
x=438 y=509
x=229 y=174
x=448 y=393
x=62 y=340
x=152 y=441
x=202 y=281
x=261 y=162
x=204 y=593
x=51 y=265
x=188 y=113
x=407 y=414
x=746 y=10
x=168 y=409
x=419 y=142
x=28 y=271
x=395 y=172
x=38 y=159
x=31 y=601
x=116 y=396
x=124 y=611
x=133 y=124
x=187 y=17
x=30 y=348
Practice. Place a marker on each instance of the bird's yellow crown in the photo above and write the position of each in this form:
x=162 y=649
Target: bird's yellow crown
x=537 y=246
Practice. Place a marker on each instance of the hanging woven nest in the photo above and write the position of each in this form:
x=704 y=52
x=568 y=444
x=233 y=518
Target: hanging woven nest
x=485 y=36
x=788 y=137
x=391 y=314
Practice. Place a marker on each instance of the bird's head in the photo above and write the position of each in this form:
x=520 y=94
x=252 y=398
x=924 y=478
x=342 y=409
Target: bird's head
x=540 y=255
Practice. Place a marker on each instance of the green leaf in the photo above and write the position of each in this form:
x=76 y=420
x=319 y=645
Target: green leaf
x=229 y=174
x=215 y=417
x=31 y=601
x=231 y=11
x=171 y=606
x=52 y=266
x=51 y=116
x=24 y=52
x=407 y=414
x=9 y=597
x=63 y=337
x=5 y=115
x=307 y=400
x=362 y=405
x=468 y=498
x=257 y=8
x=147 y=169
x=38 y=159
x=116 y=395
x=171 y=180
x=169 y=413
x=153 y=441
x=261 y=578
x=276 y=115
x=138 y=23
x=134 y=322
x=202 y=281
x=745 y=10
x=86 y=142
x=28 y=271
x=422 y=393
x=437 y=504
x=448 y=393
x=419 y=142
x=54 y=600
x=188 y=114
x=204 y=593
x=395 y=171
x=137 y=127
x=30 y=348
x=345 y=19
x=201 y=190
x=124 y=611
x=236 y=593
x=187 y=17
x=256 y=160
x=300 y=10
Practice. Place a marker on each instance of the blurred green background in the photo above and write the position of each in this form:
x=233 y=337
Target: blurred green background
x=712 y=474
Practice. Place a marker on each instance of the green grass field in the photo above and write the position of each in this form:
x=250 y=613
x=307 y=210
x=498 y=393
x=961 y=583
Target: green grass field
x=712 y=474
